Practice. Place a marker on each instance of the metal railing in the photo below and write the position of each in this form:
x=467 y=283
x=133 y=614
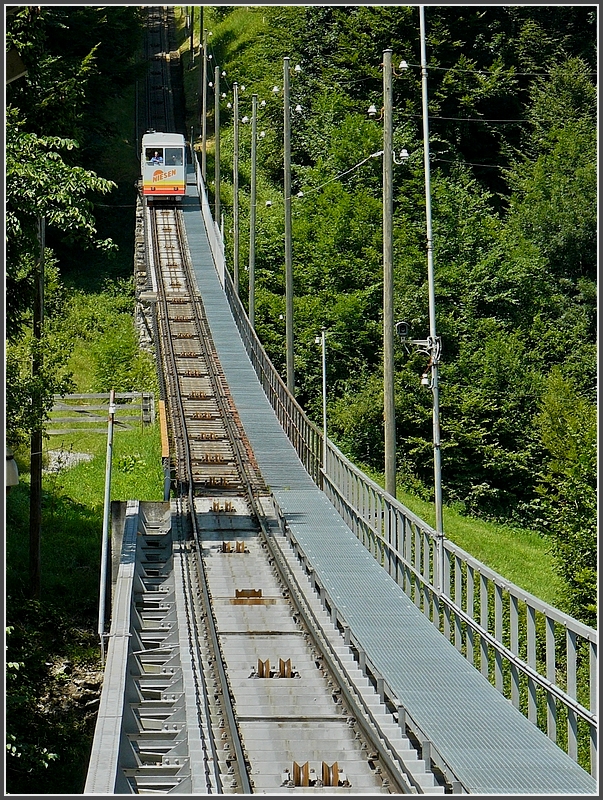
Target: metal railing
x=542 y=660
x=214 y=236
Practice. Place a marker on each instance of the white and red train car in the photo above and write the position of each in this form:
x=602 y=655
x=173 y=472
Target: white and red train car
x=163 y=165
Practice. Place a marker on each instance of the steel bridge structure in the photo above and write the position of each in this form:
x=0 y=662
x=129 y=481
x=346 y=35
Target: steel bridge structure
x=276 y=626
x=481 y=678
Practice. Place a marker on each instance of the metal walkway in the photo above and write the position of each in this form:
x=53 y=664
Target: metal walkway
x=490 y=746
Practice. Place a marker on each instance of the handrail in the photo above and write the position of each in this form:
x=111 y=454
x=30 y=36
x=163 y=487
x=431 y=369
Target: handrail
x=530 y=651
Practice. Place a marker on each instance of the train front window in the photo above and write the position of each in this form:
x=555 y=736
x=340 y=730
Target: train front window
x=154 y=155
x=173 y=156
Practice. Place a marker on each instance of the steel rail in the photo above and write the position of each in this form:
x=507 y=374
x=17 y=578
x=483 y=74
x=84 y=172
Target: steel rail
x=402 y=777
x=179 y=422
x=196 y=657
x=394 y=765
x=211 y=622
x=169 y=355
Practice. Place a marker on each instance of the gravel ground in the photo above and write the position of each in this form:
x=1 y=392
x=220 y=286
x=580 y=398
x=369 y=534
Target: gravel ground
x=63 y=459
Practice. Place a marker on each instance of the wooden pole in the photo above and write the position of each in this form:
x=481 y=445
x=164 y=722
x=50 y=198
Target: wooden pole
x=35 y=497
x=288 y=236
x=252 y=200
x=389 y=408
x=235 y=189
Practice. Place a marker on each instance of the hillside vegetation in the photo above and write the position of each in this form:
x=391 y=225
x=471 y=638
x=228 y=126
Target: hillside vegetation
x=512 y=108
x=512 y=117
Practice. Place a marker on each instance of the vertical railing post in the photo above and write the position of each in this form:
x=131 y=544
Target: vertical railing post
x=572 y=690
x=514 y=643
x=551 y=708
x=594 y=684
x=105 y=534
x=531 y=658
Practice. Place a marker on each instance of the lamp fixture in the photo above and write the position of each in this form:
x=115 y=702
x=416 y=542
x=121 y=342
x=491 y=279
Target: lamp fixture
x=402 y=156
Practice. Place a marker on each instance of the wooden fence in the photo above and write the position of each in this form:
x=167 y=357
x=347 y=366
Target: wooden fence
x=75 y=413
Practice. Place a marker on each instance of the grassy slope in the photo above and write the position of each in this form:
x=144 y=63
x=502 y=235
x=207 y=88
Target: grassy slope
x=520 y=555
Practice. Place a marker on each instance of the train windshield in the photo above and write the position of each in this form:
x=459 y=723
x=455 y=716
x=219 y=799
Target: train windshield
x=173 y=156
x=154 y=155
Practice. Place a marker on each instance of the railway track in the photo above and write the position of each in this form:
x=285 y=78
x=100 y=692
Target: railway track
x=159 y=96
x=239 y=682
x=273 y=693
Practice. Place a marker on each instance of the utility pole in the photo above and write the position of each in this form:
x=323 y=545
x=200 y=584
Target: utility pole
x=252 y=200
x=288 y=246
x=235 y=188
x=35 y=496
x=200 y=71
x=324 y=398
x=217 y=149
x=204 y=113
x=434 y=341
x=389 y=408
x=192 y=46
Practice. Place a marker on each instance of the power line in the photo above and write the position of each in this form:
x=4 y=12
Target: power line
x=342 y=174
x=480 y=119
x=470 y=163
x=472 y=119
x=492 y=71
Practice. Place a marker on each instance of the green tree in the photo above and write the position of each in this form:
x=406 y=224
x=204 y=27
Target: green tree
x=567 y=426
x=554 y=201
x=512 y=104
x=39 y=183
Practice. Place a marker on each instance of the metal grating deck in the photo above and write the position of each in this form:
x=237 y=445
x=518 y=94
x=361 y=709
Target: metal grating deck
x=491 y=746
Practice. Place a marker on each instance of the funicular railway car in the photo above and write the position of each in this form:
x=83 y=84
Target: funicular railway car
x=163 y=165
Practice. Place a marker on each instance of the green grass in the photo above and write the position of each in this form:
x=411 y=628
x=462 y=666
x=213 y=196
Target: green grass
x=518 y=554
x=60 y=628
x=136 y=465
x=81 y=364
x=72 y=513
